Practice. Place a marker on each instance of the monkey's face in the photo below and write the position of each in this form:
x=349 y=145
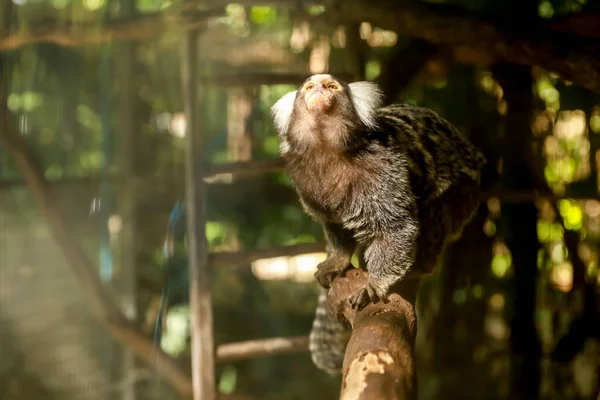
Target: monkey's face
x=320 y=92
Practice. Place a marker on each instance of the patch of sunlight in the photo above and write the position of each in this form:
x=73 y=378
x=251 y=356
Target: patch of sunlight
x=592 y=208
x=263 y=15
x=571 y=213
x=147 y=5
x=557 y=253
x=301 y=34
x=545 y=9
x=228 y=380
x=547 y=92
x=595 y=121
x=562 y=276
x=496 y=327
x=91 y=160
x=549 y=231
x=489 y=228
x=497 y=301
x=592 y=270
x=88 y=118
x=177 y=324
x=570 y=124
x=93 y=5
x=382 y=38
x=316 y=9
x=26 y=101
x=215 y=231
x=299 y=268
x=500 y=264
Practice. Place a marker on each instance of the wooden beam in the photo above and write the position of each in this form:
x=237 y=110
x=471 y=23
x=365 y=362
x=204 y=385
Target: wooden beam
x=127 y=29
x=226 y=258
x=261 y=348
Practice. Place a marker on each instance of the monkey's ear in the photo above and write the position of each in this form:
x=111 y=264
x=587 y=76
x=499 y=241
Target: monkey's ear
x=367 y=97
x=282 y=112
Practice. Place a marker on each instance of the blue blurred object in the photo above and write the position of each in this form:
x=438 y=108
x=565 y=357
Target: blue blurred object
x=175 y=291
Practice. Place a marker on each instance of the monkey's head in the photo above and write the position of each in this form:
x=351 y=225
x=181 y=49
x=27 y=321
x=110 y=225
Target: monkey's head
x=324 y=105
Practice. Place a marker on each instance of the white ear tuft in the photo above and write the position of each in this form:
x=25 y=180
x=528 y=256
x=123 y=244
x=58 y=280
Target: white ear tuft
x=282 y=112
x=367 y=98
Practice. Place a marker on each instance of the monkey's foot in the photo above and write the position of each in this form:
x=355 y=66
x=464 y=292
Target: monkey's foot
x=369 y=293
x=329 y=269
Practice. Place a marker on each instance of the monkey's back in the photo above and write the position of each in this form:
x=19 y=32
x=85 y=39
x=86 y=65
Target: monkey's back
x=439 y=155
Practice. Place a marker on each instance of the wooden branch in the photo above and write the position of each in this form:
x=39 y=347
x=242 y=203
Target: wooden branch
x=574 y=58
x=379 y=361
x=225 y=258
x=254 y=79
x=244 y=168
x=261 y=348
x=139 y=28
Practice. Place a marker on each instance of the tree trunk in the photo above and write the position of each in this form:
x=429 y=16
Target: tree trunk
x=520 y=229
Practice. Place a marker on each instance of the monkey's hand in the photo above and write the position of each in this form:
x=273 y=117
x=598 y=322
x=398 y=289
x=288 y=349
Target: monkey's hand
x=389 y=257
x=341 y=245
x=333 y=266
x=371 y=292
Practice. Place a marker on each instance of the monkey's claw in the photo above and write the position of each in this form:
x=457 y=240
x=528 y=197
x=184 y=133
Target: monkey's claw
x=366 y=294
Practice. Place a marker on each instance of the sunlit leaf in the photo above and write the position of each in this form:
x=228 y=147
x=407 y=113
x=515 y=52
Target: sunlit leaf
x=550 y=174
x=93 y=4
x=595 y=123
x=88 y=118
x=14 y=102
x=316 y=9
x=263 y=15
x=228 y=380
x=215 y=231
x=500 y=264
x=545 y=9
x=91 y=160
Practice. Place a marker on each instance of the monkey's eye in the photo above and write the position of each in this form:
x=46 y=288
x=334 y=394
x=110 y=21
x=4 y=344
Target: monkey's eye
x=309 y=86
x=332 y=86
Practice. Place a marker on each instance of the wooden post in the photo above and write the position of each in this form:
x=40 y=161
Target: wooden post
x=203 y=373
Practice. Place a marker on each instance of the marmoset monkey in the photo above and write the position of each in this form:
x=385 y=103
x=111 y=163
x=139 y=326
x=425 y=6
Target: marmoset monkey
x=393 y=183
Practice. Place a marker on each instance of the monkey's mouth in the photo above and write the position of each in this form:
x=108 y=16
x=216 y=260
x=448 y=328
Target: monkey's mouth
x=318 y=100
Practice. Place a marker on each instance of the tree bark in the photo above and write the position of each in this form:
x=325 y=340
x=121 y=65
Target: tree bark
x=379 y=362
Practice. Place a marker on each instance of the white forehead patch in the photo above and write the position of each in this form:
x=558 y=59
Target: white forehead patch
x=282 y=112
x=367 y=98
